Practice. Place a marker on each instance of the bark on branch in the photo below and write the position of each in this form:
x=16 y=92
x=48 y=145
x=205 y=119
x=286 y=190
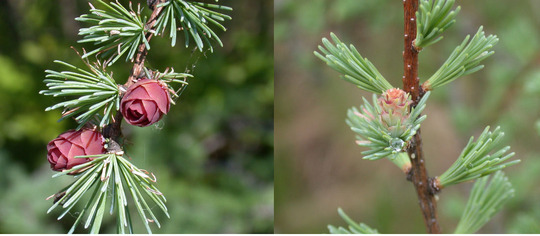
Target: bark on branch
x=418 y=174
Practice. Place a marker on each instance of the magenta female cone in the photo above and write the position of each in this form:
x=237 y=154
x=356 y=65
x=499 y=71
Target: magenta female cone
x=394 y=105
x=61 y=151
x=145 y=102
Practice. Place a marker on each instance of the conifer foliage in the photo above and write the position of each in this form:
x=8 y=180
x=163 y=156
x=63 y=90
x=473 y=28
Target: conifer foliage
x=390 y=126
x=93 y=153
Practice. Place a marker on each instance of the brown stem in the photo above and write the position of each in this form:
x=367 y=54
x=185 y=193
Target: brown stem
x=140 y=57
x=113 y=130
x=418 y=174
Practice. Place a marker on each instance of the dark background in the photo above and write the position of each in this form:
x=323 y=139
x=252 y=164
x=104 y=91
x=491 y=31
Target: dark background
x=212 y=154
x=318 y=165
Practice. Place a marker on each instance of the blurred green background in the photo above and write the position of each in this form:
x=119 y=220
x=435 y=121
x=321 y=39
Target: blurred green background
x=318 y=165
x=212 y=154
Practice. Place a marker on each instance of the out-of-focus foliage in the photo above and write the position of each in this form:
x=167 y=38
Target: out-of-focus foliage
x=354 y=228
x=212 y=154
x=318 y=165
x=485 y=200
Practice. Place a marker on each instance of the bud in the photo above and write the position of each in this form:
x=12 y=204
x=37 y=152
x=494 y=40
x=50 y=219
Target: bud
x=394 y=104
x=145 y=102
x=61 y=151
x=387 y=124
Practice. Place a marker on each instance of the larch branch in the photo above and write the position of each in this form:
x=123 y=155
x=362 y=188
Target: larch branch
x=418 y=174
x=113 y=130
